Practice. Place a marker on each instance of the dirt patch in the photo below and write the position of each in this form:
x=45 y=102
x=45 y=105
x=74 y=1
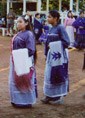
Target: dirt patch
x=74 y=102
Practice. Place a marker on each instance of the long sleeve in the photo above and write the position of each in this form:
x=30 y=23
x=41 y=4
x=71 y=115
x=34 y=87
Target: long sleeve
x=30 y=43
x=79 y=22
x=64 y=36
x=75 y=23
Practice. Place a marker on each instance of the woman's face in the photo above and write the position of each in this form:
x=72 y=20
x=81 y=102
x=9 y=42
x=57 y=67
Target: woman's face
x=21 y=25
x=69 y=14
x=38 y=16
x=51 y=20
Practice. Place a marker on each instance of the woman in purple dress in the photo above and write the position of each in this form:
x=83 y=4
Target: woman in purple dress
x=24 y=39
x=56 y=70
x=79 y=24
x=44 y=34
x=38 y=27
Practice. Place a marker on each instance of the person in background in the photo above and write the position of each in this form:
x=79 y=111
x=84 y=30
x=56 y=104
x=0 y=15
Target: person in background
x=10 y=22
x=56 y=80
x=79 y=24
x=69 y=28
x=38 y=27
x=15 y=26
x=1 y=23
x=29 y=16
x=42 y=17
x=23 y=91
x=44 y=34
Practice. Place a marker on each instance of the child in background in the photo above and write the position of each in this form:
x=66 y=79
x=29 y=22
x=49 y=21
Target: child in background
x=69 y=28
x=44 y=34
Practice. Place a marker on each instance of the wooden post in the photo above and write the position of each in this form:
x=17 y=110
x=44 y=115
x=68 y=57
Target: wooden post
x=60 y=5
x=39 y=6
x=77 y=6
x=71 y=5
x=7 y=6
x=47 y=6
x=24 y=7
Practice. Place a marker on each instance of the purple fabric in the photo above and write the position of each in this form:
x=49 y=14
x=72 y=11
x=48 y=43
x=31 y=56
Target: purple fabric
x=43 y=36
x=25 y=39
x=59 y=74
x=38 y=25
x=46 y=27
x=78 y=23
x=57 y=33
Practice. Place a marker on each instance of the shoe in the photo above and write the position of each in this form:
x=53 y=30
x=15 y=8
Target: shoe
x=46 y=100
x=59 y=101
x=21 y=106
x=70 y=47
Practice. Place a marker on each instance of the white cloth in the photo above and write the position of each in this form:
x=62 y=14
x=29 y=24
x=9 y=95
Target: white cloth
x=70 y=31
x=56 y=57
x=22 y=61
x=57 y=54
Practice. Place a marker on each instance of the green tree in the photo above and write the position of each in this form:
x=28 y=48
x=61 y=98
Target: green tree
x=53 y=4
x=82 y=5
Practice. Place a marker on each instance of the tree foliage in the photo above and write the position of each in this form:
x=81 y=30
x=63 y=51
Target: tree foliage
x=54 y=4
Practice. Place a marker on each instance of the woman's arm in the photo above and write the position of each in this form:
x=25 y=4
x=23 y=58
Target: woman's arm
x=64 y=36
x=30 y=43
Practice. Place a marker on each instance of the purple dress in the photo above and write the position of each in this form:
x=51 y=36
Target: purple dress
x=56 y=80
x=37 y=29
x=23 y=40
x=79 y=24
x=43 y=36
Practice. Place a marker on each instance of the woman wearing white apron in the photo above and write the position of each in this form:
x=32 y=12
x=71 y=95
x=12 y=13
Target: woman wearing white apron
x=69 y=28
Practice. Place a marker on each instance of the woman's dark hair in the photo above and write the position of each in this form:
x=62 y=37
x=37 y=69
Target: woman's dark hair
x=37 y=14
x=28 y=27
x=71 y=14
x=54 y=14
